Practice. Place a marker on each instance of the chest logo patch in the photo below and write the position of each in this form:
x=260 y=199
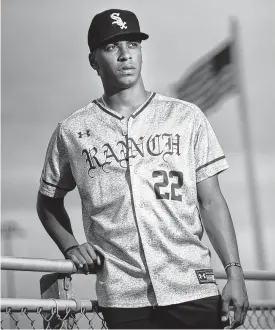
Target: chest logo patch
x=205 y=276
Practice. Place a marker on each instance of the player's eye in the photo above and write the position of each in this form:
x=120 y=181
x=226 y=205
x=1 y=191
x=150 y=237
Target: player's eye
x=109 y=47
x=133 y=44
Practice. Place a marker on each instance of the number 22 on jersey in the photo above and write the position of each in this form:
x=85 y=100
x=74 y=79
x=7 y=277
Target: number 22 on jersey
x=171 y=191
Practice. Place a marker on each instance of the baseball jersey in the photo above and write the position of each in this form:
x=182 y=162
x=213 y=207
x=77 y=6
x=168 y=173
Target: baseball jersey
x=137 y=181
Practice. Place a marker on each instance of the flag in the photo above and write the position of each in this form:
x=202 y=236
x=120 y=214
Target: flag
x=209 y=79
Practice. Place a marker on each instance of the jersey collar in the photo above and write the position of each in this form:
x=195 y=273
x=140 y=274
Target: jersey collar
x=117 y=115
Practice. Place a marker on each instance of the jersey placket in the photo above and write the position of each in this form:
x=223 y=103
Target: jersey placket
x=126 y=126
x=137 y=203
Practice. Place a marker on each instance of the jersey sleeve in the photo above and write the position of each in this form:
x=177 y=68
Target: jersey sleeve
x=209 y=156
x=56 y=178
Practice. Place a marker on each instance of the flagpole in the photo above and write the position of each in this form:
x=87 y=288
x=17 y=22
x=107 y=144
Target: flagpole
x=250 y=169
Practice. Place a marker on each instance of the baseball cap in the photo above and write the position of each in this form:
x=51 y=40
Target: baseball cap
x=111 y=24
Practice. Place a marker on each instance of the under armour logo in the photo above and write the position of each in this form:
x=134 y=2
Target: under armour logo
x=202 y=276
x=118 y=20
x=87 y=133
x=205 y=276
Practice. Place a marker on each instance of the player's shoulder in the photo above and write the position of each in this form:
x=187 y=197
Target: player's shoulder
x=77 y=116
x=178 y=104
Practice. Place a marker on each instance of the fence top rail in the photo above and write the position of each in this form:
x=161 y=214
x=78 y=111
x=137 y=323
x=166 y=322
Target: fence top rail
x=61 y=305
x=38 y=265
x=67 y=267
x=254 y=275
x=46 y=305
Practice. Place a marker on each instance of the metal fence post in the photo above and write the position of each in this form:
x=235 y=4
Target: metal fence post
x=57 y=286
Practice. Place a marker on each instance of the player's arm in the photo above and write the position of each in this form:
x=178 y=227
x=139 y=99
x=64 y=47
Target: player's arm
x=218 y=223
x=219 y=227
x=56 y=221
x=56 y=180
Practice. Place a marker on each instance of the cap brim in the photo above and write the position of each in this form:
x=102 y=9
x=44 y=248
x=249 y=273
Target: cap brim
x=118 y=36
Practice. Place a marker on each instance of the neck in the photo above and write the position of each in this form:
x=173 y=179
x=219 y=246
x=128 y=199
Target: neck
x=126 y=101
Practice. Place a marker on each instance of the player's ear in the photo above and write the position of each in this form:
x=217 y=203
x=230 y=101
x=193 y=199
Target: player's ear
x=93 y=62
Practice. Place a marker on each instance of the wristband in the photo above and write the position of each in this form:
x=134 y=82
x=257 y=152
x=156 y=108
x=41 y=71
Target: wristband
x=70 y=248
x=232 y=264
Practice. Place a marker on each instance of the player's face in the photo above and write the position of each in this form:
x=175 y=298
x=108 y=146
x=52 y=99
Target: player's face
x=119 y=63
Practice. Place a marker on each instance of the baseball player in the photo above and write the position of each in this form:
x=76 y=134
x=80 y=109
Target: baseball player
x=146 y=167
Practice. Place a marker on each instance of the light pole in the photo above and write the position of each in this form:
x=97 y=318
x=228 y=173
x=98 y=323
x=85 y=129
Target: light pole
x=10 y=230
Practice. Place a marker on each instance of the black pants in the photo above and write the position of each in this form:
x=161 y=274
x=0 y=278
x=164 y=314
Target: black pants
x=197 y=314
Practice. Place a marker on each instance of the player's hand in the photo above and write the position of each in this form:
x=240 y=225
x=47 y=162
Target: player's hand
x=84 y=257
x=234 y=293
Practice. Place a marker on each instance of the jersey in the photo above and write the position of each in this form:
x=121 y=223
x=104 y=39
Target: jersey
x=137 y=180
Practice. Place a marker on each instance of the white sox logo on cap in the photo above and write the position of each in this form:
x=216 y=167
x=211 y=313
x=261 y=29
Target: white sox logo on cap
x=118 y=20
x=113 y=23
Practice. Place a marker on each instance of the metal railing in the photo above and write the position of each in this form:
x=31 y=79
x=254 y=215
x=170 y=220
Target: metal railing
x=39 y=265
x=68 y=267
x=69 y=313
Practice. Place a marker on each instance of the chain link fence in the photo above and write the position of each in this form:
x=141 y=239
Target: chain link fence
x=52 y=319
x=258 y=317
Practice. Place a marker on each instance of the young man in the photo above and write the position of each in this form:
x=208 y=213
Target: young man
x=146 y=167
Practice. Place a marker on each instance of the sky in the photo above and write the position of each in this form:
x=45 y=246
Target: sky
x=45 y=76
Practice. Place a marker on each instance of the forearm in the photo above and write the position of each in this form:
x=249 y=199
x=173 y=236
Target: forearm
x=56 y=221
x=220 y=230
